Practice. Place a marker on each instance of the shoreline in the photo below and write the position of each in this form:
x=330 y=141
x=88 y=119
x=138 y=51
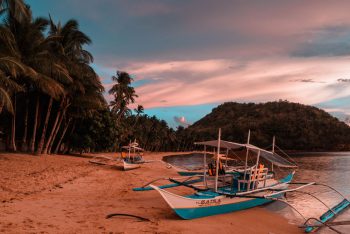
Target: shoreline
x=55 y=194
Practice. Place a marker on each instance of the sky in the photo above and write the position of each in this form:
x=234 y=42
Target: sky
x=187 y=57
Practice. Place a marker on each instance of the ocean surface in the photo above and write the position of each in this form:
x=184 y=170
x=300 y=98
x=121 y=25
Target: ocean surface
x=331 y=168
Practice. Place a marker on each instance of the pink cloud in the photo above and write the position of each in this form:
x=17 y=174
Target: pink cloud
x=185 y=83
x=182 y=121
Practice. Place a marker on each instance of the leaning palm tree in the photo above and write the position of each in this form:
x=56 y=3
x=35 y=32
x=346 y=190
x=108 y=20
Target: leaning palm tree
x=84 y=94
x=25 y=35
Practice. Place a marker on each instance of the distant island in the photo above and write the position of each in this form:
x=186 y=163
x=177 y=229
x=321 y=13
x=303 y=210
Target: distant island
x=296 y=126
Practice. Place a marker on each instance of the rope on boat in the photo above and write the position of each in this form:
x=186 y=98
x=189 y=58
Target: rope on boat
x=142 y=219
x=326 y=185
x=290 y=205
x=283 y=152
x=322 y=225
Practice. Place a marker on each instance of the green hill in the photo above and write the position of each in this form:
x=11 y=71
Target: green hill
x=296 y=126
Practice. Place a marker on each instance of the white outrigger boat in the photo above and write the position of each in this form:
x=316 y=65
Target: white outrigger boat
x=134 y=158
x=130 y=158
x=224 y=193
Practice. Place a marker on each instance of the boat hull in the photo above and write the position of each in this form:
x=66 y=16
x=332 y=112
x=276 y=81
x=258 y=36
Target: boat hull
x=130 y=166
x=207 y=204
x=193 y=213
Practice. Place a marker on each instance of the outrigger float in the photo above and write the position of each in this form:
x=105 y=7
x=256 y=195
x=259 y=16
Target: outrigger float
x=256 y=185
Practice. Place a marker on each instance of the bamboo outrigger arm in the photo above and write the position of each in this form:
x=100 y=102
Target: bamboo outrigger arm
x=176 y=183
x=289 y=190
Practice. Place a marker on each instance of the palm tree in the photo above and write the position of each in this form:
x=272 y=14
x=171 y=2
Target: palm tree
x=17 y=7
x=123 y=94
x=139 y=110
x=32 y=48
x=84 y=94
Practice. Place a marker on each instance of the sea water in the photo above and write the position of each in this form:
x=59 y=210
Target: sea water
x=331 y=168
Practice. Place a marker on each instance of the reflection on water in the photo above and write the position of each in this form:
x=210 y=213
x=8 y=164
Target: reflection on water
x=329 y=168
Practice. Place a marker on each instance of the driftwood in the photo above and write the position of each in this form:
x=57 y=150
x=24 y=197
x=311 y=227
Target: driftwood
x=129 y=215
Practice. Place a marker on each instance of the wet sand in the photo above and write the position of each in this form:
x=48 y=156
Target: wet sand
x=65 y=194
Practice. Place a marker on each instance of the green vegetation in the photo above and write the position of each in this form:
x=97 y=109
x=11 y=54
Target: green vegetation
x=296 y=126
x=50 y=97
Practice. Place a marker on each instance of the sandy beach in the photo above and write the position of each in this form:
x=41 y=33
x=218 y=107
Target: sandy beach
x=66 y=194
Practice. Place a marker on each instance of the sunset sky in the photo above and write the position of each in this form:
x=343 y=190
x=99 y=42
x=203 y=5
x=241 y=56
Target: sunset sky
x=186 y=57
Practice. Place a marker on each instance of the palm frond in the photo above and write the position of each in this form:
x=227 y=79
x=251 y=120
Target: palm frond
x=62 y=73
x=8 y=41
x=5 y=100
x=48 y=86
x=12 y=66
x=10 y=85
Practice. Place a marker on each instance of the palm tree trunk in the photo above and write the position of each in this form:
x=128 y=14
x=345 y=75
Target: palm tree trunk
x=32 y=142
x=48 y=142
x=13 y=129
x=1 y=106
x=62 y=136
x=24 y=139
x=42 y=139
x=136 y=120
x=53 y=130
x=59 y=125
x=56 y=132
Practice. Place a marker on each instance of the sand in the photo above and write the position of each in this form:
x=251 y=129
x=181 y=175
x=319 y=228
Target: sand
x=66 y=194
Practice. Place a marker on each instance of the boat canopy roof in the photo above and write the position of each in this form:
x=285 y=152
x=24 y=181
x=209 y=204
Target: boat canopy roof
x=268 y=155
x=132 y=147
x=272 y=157
x=223 y=144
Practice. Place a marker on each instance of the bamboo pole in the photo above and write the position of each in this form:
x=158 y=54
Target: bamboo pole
x=205 y=164
x=217 y=161
x=273 y=150
x=246 y=157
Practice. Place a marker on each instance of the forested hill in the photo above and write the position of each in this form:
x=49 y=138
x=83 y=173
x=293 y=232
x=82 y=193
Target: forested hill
x=296 y=126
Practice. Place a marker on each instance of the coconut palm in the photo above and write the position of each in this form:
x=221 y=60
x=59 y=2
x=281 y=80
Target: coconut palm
x=17 y=7
x=25 y=39
x=84 y=94
x=123 y=94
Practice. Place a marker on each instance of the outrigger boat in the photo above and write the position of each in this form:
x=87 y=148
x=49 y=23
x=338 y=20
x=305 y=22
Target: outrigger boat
x=130 y=158
x=134 y=158
x=225 y=193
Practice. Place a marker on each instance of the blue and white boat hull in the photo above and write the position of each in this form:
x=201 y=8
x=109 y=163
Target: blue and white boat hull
x=212 y=204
